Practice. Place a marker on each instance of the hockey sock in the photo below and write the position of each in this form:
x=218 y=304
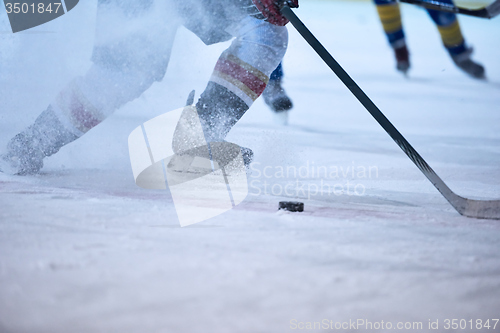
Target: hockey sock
x=452 y=38
x=232 y=89
x=73 y=107
x=390 y=17
x=277 y=74
x=219 y=110
x=449 y=29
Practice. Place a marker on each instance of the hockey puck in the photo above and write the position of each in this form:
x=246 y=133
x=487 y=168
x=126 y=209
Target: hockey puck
x=291 y=206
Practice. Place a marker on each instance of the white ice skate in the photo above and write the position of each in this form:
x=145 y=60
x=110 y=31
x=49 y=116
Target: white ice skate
x=26 y=151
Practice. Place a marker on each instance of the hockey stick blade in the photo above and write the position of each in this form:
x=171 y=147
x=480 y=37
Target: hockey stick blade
x=488 y=12
x=485 y=209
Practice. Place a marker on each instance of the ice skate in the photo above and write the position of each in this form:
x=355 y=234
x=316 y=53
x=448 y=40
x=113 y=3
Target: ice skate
x=276 y=97
x=280 y=118
x=247 y=155
x=469 y=66
x=402 y=59
x=201 y=161
x=197 y=149
x=23 y=155
x=26 y=151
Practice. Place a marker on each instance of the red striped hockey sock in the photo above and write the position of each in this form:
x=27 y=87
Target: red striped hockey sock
x=232 y=89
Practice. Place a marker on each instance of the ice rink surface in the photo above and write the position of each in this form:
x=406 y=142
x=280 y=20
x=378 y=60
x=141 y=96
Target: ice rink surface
x=83 y=249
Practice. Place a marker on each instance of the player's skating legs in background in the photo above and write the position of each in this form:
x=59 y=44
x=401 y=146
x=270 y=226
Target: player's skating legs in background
x=274 y=94
x=239 y=78
x=449 y=29
x=390 y=17
x=130 y=54
x=454 y=42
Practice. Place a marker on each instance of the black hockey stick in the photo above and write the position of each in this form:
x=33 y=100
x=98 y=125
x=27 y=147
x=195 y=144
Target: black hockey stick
x=489 y=11
x=486 y=209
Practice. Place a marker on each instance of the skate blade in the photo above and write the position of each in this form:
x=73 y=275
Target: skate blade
x=281 y=118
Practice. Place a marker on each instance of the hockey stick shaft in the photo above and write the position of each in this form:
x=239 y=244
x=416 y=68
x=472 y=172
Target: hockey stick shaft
x=472 y=208
x=488 y=12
